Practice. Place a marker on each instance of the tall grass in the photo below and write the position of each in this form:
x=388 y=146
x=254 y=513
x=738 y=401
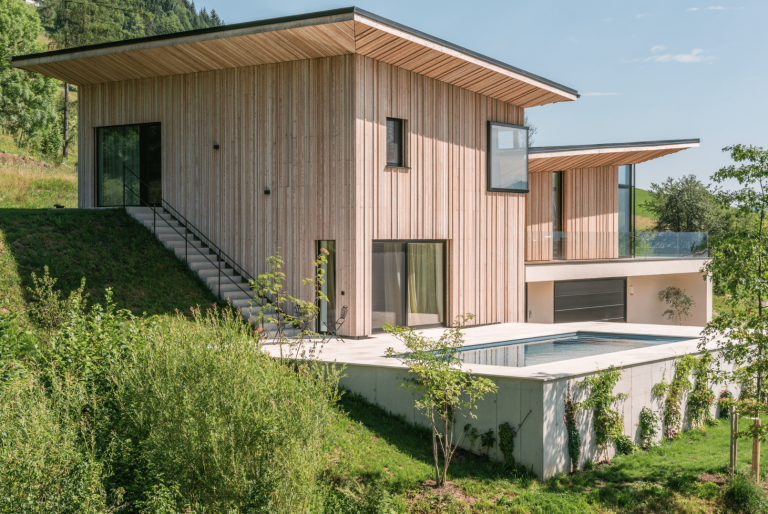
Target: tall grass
x=47 y=451
x=34 y=187
x=221 y=422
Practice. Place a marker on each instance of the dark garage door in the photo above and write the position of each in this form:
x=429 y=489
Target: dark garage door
x=591 y=300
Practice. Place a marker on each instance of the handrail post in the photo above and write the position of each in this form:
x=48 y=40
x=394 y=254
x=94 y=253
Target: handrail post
x=123 y=185
x=218 y=264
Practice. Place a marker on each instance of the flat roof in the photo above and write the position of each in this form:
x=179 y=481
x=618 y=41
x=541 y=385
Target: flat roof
x=319 y=34
x=558 y=158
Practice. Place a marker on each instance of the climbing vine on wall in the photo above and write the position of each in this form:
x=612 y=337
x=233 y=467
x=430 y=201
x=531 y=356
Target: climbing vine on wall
x=672 y=393
x=609 y=423
x=702 y=397
x=574 y=439
x=649 y=423
x=507 y=442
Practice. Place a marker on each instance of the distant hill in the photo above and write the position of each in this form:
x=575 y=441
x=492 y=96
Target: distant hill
x=644 y=219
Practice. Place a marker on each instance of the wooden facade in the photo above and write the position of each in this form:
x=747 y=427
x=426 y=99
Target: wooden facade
x=314 y=131
x=538 y=217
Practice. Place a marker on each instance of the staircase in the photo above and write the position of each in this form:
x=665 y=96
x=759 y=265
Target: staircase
x=223 y=280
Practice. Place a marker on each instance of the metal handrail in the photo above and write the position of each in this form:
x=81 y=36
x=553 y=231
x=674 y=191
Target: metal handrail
x=188 y=229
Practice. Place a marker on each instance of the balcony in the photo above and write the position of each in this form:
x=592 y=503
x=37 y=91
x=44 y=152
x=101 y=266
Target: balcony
x=589 y=246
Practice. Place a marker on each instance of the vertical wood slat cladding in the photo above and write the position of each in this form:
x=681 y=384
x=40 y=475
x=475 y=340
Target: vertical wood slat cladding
x=443 y=195
x=538 y=217
x=289 y=126
x=591 y=213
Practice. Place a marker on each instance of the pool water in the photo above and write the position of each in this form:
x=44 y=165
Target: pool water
x=561 y=347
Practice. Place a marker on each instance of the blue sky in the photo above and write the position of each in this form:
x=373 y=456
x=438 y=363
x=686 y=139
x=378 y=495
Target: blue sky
x=646 y=70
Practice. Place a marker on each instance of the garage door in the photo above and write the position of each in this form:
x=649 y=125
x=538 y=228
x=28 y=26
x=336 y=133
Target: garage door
x=591 y=300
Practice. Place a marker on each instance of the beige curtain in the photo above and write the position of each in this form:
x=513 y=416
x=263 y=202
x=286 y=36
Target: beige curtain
x=426 y=296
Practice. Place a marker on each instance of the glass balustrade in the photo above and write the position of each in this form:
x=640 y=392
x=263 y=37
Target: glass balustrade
x=549 y=246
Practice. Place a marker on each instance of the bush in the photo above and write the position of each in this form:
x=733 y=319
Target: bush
x=743 y=496
x=625 y=445
x=47 y=457
x=221 y=423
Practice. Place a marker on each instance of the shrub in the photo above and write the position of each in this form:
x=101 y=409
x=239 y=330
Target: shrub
x=649 y=423
x=47 y=457
x=625 y=445
x=743 y=496
x=222 y=424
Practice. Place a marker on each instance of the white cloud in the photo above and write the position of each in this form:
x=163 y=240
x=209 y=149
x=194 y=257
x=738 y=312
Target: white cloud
x=643 y=15
x=601 y=94
x=696 y=55
x=710 y=8
x=693 y=9
x=658 y=48
x=573 y=39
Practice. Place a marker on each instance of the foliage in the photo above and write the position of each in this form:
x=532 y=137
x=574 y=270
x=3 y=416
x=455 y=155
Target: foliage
x=738 y=265
x=701 y=397
x=27 y=100
x=472 y=435
x=672 y=393
x=625 y=445
x=48 y=309
x=743 y=496
x=683 y=205
x=16 y=345
x=443 y=388
x=507 y=442
x=574 y=438
x=679 y=302
x=229 y=426
x=487 y=440
x=609 y=423
x=47 y=449
x=284 y=311
x=649 y=423
x=725 y=401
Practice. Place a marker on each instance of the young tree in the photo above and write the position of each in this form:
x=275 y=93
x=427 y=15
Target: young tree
x=532 y=130
x=683 y=205
x=679 y=302
x=443 y=388
x=27 y=100
x=738 y=263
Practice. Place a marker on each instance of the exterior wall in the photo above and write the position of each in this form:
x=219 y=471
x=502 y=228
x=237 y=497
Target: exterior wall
x=591 y=213
x=541 y=302
x=644 y=306
x=287 y=126
x=443 y=195
x=542 y=441
x=538 y=218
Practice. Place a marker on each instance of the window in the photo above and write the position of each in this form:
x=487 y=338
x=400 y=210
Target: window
x=129 y=165
x=507 y=157
x=626 y=209
x=327 y=312
x=557 y=215
x=395 y=143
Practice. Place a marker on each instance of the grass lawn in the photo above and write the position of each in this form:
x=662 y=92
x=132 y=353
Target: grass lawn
x=642 y=196
x=107 y=247
x=376 y=452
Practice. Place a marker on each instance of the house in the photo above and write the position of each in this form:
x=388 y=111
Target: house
x=402 y=154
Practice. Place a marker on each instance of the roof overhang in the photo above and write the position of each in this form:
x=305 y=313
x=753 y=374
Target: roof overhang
x=558 y=158
x=321 y=34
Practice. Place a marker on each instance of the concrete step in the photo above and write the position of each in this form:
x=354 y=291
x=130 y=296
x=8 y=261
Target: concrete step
x=215 y=272
x=205 y=264
x=180 y=243
x=196 y=254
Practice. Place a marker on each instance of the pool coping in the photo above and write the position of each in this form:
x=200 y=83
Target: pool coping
x=370 y=352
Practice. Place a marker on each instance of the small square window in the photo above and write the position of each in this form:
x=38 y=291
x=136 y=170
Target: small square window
x=507 y=157
x=395 y=143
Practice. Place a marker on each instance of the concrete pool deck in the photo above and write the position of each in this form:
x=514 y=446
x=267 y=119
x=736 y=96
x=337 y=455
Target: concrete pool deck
x=370 y=352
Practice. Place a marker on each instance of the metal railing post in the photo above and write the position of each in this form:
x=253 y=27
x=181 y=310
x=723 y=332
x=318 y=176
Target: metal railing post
x=218 y=264
x=123 y=185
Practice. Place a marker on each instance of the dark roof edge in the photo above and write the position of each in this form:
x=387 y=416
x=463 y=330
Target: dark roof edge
x=545 y=149
x=298 y=17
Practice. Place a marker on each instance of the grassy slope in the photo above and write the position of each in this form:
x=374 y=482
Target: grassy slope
x=372 y=446
x=642 y=196
x=107 y=247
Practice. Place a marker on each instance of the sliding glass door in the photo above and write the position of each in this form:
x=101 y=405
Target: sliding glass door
x=408 y=283
x=128 y=165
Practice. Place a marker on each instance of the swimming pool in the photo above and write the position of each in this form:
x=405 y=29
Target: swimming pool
x=542 y=350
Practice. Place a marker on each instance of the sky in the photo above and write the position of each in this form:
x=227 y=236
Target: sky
x=646 y=70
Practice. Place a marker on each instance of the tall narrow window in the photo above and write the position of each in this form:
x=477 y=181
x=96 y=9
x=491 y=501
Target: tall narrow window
x=557 y=215
x=507 y=158
x=626 y=211
x=328 y=308
x=395 y=143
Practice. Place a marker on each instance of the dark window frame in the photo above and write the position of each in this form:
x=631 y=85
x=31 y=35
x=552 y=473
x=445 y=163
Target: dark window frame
x=632 y=206
x=401 y=163
x=444 y=242
x=488 y=149
x=318 y=247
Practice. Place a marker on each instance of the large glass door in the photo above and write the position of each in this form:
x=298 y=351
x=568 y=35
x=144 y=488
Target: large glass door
x=408 y=284
x=128 y=165
x=327 y=312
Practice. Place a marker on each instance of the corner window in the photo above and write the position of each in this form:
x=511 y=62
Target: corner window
x=507 y=158
x=395 y=143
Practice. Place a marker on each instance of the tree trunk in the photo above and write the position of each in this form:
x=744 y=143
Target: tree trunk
x=434 y=450
x=65 y=151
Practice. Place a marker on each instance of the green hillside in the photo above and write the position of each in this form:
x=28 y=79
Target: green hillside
x=642 y=196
